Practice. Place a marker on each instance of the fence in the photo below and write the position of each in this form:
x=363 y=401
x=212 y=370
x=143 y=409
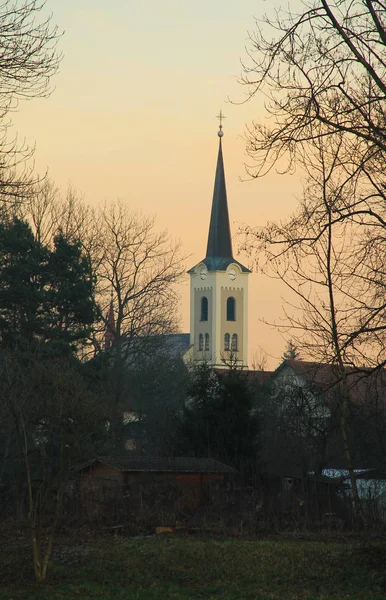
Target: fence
x=270 y=503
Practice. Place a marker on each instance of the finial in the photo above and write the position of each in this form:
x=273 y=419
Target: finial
x=220 y=117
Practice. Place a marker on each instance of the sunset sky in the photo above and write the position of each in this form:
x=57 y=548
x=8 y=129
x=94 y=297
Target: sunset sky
x=133 y=116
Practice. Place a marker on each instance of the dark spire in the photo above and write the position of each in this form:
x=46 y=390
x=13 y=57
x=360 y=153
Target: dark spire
x=219 y=238
x=219 y=250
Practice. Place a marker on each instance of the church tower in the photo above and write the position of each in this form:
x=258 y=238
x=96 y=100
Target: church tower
x=219 y=289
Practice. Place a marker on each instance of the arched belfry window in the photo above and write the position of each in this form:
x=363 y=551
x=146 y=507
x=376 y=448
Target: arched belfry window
x=231 y=309
x=207 y=342
x=234 y=342
x=201 y=342
x=227 y=341
x=204 y=308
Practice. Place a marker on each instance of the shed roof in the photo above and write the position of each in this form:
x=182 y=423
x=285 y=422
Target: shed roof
x=180 y=464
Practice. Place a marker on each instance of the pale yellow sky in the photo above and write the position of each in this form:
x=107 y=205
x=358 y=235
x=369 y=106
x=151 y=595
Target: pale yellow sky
x=133 y=114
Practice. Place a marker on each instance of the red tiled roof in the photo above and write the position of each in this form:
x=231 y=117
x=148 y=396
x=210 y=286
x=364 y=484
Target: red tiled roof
x=259 y=376
x=365 y=384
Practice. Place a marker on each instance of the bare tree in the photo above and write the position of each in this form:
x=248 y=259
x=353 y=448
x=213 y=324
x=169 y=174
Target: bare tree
x=28 y=60
x=135 y=268
x=133 y=263
x=54 y=417
x=259 y=360
x=323 y=75
x=301 y=426
x=51 y=212
x=322 y=72
x=139 y=267
x=42 y=211
x=29 y=57
x=328 y=265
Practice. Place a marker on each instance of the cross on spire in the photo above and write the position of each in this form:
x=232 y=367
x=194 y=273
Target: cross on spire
x=220 y=117
x=219 y=238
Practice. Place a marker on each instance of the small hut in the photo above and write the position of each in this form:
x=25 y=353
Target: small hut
x=138 y=484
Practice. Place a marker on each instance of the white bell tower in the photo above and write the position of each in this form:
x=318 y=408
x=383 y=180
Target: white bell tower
x=219 y=289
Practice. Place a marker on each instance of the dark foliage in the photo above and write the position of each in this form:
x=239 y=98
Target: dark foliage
x=218 y=419
x=157 y=390
x=46 y=296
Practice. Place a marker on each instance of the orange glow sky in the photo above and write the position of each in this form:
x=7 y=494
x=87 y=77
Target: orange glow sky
x=133 y=114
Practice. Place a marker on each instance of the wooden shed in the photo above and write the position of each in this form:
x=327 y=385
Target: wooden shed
x=137 y=484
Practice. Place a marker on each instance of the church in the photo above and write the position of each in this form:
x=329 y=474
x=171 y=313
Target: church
x=219 y=290
x=302 y=433
x=218 y=294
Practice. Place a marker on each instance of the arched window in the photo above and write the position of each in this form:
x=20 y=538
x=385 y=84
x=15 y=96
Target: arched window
x=201 y=342
x=206 y=342
x=231 y=309
x=234 y=342
x=227 y=341
x=204 y=308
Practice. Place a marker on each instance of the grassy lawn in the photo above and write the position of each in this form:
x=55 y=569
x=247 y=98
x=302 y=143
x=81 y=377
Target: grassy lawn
x=181 y=567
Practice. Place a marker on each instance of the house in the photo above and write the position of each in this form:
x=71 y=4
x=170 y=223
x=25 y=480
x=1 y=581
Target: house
x=324 y=379
x=133 y=485
x=304 y=403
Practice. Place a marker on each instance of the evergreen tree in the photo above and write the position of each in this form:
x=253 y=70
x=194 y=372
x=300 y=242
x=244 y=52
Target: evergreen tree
x=291 y=351
x=157 y=390
x=23 y=264
x=218 y=419
x=69 y=298
x=46 y=296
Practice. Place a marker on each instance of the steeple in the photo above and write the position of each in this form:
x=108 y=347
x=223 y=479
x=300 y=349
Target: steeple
x=219 y=254
x=219 y=288
x=219 y=238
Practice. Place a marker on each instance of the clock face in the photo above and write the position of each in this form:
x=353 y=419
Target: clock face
x=203 y=273
x=232 y=274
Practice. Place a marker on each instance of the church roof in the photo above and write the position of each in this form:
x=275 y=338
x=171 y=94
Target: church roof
x=218 y=263
x=177 y=343
x=219 y=254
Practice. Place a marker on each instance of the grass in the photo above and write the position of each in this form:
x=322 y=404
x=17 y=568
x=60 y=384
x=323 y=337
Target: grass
x=182 y=567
